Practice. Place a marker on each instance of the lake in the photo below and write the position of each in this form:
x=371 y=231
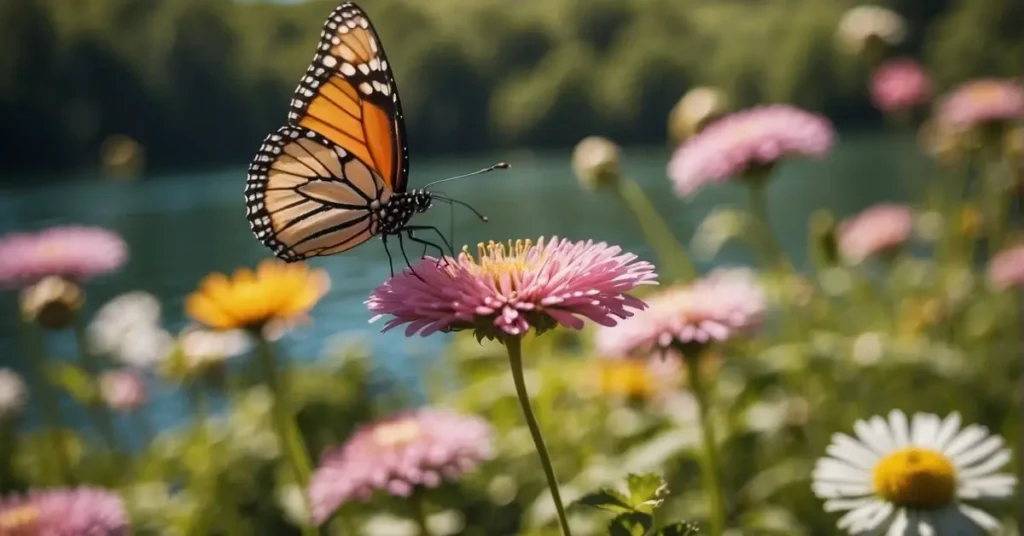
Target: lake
x=181 y=227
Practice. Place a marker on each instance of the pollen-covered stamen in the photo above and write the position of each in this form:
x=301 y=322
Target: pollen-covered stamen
x=397 y=434
x=20 y=520
x=916 y=478
x=498 y=260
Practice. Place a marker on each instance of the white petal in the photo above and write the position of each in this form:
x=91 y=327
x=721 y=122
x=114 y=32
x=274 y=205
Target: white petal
x=899 y=525
x=992 y=486
x=859 y=520
x=972 y=456
x=840 y=505
x=982 y=519
x=828 y=469
x=850 y=450
x=923 y=524
x=947 y=431
x=991 y=465
x=967 y=438
x=923 y=429
x=829 y=490
x=900 y=428
x=878 y=520
x=879 y=443
x=884 y=433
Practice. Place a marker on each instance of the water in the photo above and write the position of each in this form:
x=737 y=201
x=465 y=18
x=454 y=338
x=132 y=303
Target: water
x=181 y=227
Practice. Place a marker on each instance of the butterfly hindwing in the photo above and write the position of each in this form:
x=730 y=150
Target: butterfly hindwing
x=306 y=196
x=349 y=96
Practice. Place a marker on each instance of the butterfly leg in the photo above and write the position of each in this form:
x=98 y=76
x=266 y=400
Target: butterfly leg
x=401 y=246
x=428 y=244
x=391 y=264
x=411 y=228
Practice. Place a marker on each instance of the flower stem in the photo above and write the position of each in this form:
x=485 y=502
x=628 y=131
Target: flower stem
x=657 y=233
x=513 y=345
x=284 y=421
x=770 y=251
x=49 y=403
x=100 y=414
x=709 y=458
x=420 y=513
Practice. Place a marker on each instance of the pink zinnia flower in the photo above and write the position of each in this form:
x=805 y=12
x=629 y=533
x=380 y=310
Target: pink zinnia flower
x=876 y=229
x=716 y=308
x=747 y=141
x=64 y=512
x=422 y=448
x=900 y=84
x=981 y=102
x=78 y=253
x=505 y=291
x=1006 y=269
x=123 y=390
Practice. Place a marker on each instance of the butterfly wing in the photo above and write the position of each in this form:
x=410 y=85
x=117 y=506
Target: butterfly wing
x=306 y=196
x=349 y=96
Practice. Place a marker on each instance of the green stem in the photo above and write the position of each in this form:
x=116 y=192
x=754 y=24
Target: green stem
x=420 y=513
x=515 y=360
x=658 y=234
x=771 y=253
x=49 y=403
x=709 y=459
x=100 y=413
x=284 y=421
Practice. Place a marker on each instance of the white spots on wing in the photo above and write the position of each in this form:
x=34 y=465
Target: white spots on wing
x=347 y=69
x=366 y=88
x=319 y=71
x=350 y=23
x=374 y=64
x=310 y=134
x=364 y=68
x=383 y=65
x=341 y=152
x=335 y=40
x=385 y=89
x=364 y=23
x=330 y=62
x=373 y=44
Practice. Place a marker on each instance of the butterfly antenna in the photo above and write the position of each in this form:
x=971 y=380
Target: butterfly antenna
x=499 y=165
x=457 y=202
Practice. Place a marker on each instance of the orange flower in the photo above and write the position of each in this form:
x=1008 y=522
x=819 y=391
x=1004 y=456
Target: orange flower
x=276 y=292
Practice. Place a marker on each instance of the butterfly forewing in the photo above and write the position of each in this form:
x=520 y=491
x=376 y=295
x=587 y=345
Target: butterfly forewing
x=349 y=96
x=306 y=196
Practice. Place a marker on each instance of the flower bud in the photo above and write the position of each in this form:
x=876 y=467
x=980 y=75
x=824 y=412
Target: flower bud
x=595 y=161
x=123 y=390
x=869 y=31
x=52 y=303
x=698 y=108
x=12 y=394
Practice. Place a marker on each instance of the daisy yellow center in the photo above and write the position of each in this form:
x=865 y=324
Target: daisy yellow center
x=916 y=478
x=397 y=434
x=496 y=259
x=987 y=94
x=21 y=518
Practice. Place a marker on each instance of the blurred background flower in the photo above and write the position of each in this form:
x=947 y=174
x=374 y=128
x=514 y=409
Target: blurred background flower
x=52 y=303
x=699 y=107
x=12 y=394
x=869 y=30
x=1006 y=269
x=77 y=511
x=123 y=390
x=595 y=161
x=748 y=142
x=75 y=252
x=982 y=102
x=876 y=230
x=900 y=85
x=129 y=329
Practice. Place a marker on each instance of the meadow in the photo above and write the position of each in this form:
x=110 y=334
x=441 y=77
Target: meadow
x=581 y=389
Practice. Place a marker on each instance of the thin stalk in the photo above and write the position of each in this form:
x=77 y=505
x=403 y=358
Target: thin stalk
x=709 y=459
x=420 y=513
x=284 y=420
x=771 y=253
x=515 y=360
x=658 y=234
x=101 y=416
x=49 y=403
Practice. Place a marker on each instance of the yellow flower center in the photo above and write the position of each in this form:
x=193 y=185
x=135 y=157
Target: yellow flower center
x=19 y=521
x=496 y=259
x=916 y=478
x=397 y=434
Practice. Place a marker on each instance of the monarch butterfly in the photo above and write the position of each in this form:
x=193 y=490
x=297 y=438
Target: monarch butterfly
x=337 y=174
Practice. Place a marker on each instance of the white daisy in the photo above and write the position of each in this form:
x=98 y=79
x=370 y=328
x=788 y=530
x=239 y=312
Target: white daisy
x=912 y=477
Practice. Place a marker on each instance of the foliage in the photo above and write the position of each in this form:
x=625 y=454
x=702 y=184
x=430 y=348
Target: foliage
x=199 y=82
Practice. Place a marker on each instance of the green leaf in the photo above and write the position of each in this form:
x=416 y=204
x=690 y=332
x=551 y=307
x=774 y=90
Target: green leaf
x=680 y=528
x=631 y=524
x=646 y=491
x=74 y=380
x=607 y=499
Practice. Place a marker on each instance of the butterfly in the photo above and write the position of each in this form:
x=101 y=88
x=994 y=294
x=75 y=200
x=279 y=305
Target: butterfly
x=337 y=174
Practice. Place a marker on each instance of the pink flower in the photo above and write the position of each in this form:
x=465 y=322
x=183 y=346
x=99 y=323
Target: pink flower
x=900 y=84
x=64 y=512
x=78 y=253
x=508 y=290
x=747 y=141
x=422 y=448
x=982 y=101
x=876 y=229
x=123 y=390
x=720 y=306
x=1006 y=269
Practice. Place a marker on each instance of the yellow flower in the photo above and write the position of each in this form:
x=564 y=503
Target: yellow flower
x=624 y=378
x=276 y=292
